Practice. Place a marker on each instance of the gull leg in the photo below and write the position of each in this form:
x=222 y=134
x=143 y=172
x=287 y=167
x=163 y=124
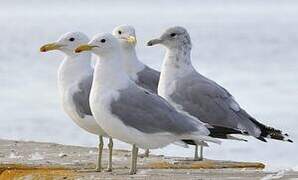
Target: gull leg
x=196 y=156
x=146 y=154
x=136 y=160
x=201 y=153
x=110 y=145
x=100 y=147
x=131 y=171
x=134 y=153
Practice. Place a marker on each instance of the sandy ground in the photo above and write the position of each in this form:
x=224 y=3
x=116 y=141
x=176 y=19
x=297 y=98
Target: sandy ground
x=34 y=160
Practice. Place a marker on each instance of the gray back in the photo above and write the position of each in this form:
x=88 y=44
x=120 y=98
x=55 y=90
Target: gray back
x=210 y=102
x=148 y=78
x=149 y=113
x=81 y=96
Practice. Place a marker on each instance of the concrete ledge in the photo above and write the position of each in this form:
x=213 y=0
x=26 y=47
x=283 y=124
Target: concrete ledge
x=34 y=160
x=206 y=164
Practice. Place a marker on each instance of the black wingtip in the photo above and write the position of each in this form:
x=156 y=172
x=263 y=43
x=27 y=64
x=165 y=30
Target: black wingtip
x=245 y=133
x=270 y=132
x=289 y=140
x=262 y=139
x=189 y=142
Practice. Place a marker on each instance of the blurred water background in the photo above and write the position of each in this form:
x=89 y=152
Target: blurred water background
x=249 y=47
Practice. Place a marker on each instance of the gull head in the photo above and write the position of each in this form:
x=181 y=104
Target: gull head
x=101 y=44
x=126 y=35
x=66 y=43
x=173 y=38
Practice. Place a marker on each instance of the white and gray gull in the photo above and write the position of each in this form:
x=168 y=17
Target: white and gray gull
x=75 y=76
x=129 y=112
x=190 y=92
x=142 y=74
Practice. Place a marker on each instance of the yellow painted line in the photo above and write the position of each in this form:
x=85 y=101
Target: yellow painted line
x=204 y=165
x=17 y=171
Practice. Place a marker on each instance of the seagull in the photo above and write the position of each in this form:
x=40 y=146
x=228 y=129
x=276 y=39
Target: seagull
x=129 y=112
x=192 y=93
x=148 y=78
x=140 y=73
x=75 y=76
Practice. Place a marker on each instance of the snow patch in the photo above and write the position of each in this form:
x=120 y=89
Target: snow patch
x=295 y=168
x=36 y=156
x=277 y=175
x=14 y=156
x=91 y=152
x=62 y=155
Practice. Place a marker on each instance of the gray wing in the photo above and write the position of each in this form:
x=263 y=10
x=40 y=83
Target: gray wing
x=81 y=96
x=148 y=78
x=150 y=113
x=211 y=103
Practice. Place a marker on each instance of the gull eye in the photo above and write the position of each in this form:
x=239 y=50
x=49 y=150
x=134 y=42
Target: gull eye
x=119 y=32
x=71 y=39
x=173 y=34
x=103 y=41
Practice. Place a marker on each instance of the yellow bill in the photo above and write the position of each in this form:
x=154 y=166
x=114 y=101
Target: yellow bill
x=131 y=40
x=84 y=47
x=50 y=47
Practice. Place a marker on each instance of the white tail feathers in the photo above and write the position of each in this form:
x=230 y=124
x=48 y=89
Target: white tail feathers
x=209 y=139
x=235 y=138
x=200 y=138
x=202 y=143
x=181 y=144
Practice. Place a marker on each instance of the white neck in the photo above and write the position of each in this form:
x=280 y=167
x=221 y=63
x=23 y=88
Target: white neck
x=73 y=68
x=176 y=64
x=177 y=60
x=131 y=62
x=109 y=74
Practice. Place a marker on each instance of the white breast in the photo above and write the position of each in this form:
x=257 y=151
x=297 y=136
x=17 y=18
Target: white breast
x=166 y=83
x=100 y=107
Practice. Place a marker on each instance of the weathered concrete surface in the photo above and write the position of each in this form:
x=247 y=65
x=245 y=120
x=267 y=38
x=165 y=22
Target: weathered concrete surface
x=33 y=160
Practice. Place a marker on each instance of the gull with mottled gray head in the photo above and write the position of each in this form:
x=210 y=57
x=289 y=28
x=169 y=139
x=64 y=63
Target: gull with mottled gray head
x=192 y=93
x=75 y=76
x=131 y=113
